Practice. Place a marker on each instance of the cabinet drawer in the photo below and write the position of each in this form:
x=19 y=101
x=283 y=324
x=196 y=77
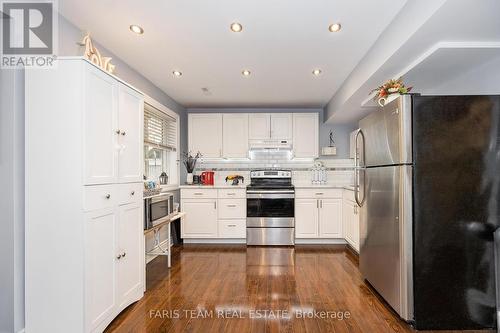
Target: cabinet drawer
x=318 y=193
x=348 y=195
x=237 y=193
x=202 y=193
x=99 y=196
x=232 y=208
x=128 y=193
x=232 y=228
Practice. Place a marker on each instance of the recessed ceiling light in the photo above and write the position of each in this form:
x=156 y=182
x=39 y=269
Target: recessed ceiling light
x=316 y=71
x=137 y=29
x=334 y=27
x=177 y=73
x=236 y=27
x=245 y=72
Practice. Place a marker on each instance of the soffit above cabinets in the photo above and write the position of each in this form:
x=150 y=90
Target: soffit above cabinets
x=281 y=43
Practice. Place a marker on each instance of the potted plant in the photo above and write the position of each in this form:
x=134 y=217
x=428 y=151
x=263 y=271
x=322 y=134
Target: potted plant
x=389 y=91
x=190 y=163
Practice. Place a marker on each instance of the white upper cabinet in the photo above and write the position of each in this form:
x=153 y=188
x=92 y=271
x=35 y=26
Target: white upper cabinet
x=305 y=135
x=281 y=126
x=101 y=126
x=205 y=134
x=264 y=126
x=259 y=126
x=235 y=135
x=130 y=139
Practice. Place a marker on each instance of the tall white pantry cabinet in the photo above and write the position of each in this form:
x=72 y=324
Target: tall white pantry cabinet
x=84 y=208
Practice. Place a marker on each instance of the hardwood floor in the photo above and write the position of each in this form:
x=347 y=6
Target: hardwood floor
x=232 y=288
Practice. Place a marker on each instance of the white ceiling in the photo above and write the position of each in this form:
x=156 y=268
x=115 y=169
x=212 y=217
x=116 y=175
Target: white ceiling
x=438 y=46
x=281 y=43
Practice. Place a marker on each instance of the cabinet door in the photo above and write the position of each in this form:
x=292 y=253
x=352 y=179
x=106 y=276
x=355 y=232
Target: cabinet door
x=235 y=135
x=330 y=218
x=100 y=137
x=201 y=218
x=205 y=134
x=305 y=135
x=259 y=126
x=131 y=253
x=306 y=218
x=100 y=264
x=130 y=124
x=347 y=212
x=355 y=228
x=281 y=126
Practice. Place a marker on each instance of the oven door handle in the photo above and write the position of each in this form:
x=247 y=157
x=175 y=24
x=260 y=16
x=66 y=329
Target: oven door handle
x=270 y=191
x=270 y=195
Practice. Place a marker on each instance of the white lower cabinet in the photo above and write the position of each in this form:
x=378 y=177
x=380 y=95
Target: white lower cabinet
x=100 y=251
x=130 y=251
x=212 y=213
x=114 y=258
x=201 y=218
x=350 y=218
x=318 y=218
x=306 y=218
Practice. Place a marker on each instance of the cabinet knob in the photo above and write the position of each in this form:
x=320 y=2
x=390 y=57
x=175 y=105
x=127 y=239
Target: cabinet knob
x=108 y=196
x=118 y=131
x=124 y=254
x=132 y=193
x=119 y=256
x=123 y=133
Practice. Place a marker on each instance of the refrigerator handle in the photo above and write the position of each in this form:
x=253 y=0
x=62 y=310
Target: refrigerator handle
x=357 y=167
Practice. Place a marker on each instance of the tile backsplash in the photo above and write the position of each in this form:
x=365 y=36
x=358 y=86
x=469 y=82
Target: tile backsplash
x=339 y=171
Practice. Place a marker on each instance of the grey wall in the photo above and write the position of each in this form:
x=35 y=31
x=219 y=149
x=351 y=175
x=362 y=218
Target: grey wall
x=12 y=200
x=340 y=132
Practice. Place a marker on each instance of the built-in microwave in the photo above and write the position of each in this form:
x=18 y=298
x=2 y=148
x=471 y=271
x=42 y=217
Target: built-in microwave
x=157 y=209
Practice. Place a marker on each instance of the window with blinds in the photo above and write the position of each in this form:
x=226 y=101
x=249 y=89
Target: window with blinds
x=160 y=146
x=160 y=129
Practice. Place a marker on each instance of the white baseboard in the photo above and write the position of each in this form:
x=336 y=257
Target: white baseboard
x=150 y=257
x=332 y=241
x=243 y=241
x=215 y=241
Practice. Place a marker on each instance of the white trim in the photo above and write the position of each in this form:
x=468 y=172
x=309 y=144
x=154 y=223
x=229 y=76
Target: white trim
x=320 y=241
x=22 y=330
x=160 y=107
x=215 y=241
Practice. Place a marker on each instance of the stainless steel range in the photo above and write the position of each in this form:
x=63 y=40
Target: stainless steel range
x=270 y=208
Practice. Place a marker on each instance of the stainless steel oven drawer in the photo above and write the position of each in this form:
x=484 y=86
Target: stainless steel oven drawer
x=270 y=236
x=271 y=222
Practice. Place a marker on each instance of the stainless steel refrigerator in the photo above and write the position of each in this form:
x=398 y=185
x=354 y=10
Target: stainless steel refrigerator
x=428 y=182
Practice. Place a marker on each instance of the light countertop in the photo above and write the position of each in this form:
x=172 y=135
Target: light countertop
x=216 y=186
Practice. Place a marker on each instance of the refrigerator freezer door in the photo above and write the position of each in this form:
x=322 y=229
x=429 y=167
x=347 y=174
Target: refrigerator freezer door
x=457 y=208
x=385 y=235
x=387 y=135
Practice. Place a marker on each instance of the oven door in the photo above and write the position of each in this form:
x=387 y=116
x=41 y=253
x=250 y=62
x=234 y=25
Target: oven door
x=271 y=209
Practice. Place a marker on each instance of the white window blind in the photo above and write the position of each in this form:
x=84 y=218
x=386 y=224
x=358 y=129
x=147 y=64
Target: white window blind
x=160 y=129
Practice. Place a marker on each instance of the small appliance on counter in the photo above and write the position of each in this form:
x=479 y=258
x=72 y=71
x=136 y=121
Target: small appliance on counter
x=207 y=177
x=196 y=179
x=235 y=179
x=157 y=209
